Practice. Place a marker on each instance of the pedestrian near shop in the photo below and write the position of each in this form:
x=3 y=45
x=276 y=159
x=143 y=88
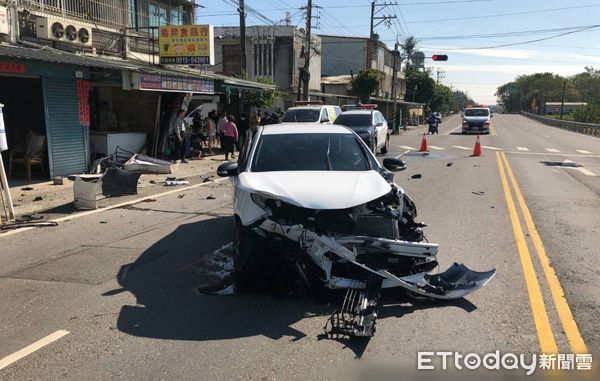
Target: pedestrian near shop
x=222 y=119
x=230 y=136
x=244 y=130
x=181 y=135
x=211 y=130
x=254 y=122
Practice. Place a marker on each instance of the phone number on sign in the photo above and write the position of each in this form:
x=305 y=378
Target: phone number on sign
x=185 y=60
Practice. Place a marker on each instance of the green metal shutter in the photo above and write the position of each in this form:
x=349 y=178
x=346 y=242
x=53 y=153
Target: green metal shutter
x=67 y=139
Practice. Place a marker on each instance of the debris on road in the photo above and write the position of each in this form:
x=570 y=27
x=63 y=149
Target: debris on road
x=479 y=193
x=172 y=181
x=38 y=198
x=27 y=222
x=181 y=196
x=149 y=200
x=416 y=176
x=211 y=198
x=103 y=222
x=115 y=182
x=58 y=180
x=27 y=188
x=449 y=164
x=147 y=165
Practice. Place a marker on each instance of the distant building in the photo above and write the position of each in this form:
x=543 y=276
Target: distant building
x=271 y=52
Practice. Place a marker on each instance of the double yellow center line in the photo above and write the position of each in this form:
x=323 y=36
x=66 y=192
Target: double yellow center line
x=538 y=307
x=493 y=131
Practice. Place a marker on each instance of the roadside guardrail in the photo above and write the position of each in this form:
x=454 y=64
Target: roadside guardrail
x=582 y=128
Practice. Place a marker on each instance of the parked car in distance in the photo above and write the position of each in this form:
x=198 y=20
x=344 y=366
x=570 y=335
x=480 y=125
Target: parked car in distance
x=311 y=112
x=370 y=125
x=476 y=119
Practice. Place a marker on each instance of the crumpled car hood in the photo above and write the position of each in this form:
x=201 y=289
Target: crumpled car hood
x=317 y=189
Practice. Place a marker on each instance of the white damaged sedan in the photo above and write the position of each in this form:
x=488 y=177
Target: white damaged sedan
x=313 y=207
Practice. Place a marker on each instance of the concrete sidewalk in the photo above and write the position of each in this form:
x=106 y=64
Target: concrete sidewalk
x=47 y=198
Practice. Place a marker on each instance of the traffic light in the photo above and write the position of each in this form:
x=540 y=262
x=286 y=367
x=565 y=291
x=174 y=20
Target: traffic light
x=439 y=57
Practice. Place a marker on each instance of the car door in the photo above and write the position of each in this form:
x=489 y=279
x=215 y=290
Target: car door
x=381 y=130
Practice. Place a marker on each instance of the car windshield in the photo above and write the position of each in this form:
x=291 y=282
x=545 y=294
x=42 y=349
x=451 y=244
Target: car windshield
x=354 y=120
x=477 y=112
x=309 y=152
x=301 y=115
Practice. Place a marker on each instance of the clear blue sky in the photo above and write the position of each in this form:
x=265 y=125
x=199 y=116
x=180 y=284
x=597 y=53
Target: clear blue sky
x=477 y=71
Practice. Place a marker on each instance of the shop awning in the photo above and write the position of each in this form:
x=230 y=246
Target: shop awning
x=382 y=100
x=62 y=57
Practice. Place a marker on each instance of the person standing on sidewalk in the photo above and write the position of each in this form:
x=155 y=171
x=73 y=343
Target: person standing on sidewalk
x=181 y=135
x=211 y=131
x=230 y=136
x=222 y=119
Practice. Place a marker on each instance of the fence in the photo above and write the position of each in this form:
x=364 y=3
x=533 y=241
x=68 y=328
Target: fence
x=582 y=128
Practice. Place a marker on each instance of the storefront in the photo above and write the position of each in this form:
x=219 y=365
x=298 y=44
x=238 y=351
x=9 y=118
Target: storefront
x=40 y=101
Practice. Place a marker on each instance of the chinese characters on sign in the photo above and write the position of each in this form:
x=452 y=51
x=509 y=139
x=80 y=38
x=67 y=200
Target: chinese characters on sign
x=13 y=68
x=83 y=102
x=176 y=84
x=186 y=44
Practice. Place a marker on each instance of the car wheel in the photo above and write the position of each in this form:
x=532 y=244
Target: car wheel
x=243 y=261
x=385 y=147
x=374 y=146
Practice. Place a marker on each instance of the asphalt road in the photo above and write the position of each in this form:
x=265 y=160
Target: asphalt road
x=120 y=282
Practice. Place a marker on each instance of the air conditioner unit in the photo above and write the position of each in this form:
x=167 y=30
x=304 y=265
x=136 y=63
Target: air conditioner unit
x=64 y=30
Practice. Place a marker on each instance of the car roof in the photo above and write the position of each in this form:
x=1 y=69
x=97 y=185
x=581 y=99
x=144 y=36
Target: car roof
x=304 y=128
x=315 y=107
x=358 y=112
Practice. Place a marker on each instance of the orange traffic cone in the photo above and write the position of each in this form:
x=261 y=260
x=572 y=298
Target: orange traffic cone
x=477 y=148
x=424 y=144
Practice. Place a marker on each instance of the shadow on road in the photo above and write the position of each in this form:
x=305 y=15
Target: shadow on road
x=167 y=306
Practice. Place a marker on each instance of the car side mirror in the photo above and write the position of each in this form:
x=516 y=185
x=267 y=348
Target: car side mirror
x=379 y=124
x=325 y=120
x=392 y=164
x=228 y=169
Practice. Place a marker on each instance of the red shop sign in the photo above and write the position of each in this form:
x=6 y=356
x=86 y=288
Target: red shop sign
x=13 y=68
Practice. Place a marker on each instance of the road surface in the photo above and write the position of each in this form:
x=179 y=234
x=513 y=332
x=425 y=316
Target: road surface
x=112 y=295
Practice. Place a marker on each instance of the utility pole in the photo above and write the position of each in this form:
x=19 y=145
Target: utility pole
x=439 y=75
x=396 y=58
x=242 y=11
x=562 y=102
x=305 y=74
x=375 y=21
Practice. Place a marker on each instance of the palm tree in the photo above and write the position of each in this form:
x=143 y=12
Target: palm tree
x=409 y=46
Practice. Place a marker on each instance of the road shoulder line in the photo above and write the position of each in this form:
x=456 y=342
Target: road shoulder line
x=24 y=352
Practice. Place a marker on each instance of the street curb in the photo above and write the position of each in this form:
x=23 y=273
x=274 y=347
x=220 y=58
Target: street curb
x=116 y=206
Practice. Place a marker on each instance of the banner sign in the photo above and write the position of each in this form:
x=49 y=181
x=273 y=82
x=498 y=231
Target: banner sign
x=83 y=102
x=176 y=84
x=12 y=68
x=186 y=45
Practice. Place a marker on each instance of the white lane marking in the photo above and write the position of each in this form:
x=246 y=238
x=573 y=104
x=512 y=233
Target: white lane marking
x=552 y=150
x=116 y=206
x=538 y=153
x=403 y=153
x=10 y=359
x=437 y=148
x=408 y=148
x=494 y=148
x=452 y=130
x=583 y=151
x=585 y=171
x=523 y=148
x=461 y=147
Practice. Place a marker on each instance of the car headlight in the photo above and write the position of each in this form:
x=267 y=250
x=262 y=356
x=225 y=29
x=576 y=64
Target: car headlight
x=259 y=200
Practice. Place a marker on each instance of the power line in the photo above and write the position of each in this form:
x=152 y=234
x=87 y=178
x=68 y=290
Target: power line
x=530 y=41
x=509 y=34
x=504 y=14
